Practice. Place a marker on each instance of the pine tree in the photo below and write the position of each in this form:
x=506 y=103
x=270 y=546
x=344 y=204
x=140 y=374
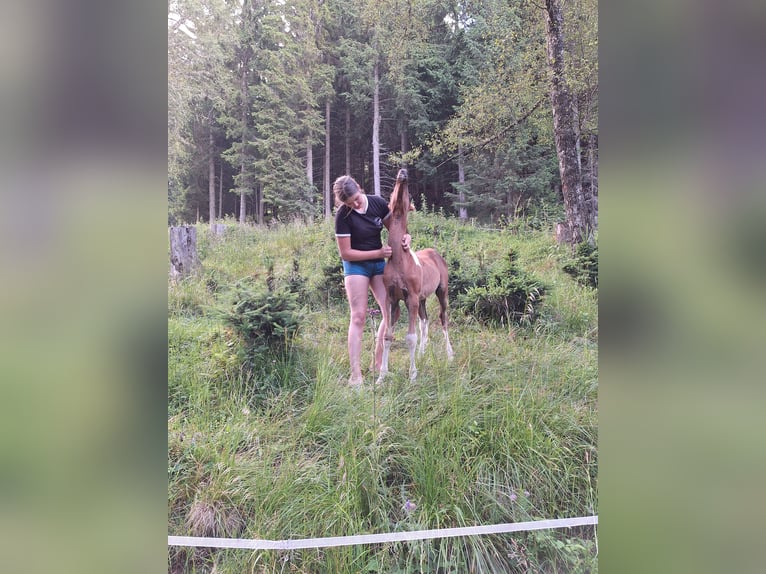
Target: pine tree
x=196 y=73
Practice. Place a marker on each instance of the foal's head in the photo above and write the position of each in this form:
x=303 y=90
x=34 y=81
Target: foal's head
x=399 y=203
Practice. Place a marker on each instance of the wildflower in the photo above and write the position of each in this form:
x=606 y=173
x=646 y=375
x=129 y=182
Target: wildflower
x=513 y=496
x=409 y=506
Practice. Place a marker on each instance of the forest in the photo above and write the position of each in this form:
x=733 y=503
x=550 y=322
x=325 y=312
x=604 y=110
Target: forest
x=493 y=107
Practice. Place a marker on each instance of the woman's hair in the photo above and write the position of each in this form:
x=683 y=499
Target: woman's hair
x=344 y=188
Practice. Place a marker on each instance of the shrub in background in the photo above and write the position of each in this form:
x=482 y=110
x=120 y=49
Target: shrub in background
x=296 y=283
x=509 y=296
x=584 y=267
x=331 y=288
x=463 y=278
x=266 y=320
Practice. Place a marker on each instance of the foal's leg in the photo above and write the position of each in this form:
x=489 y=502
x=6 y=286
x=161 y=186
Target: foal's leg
x=383 y=340
x=423 y=327
x=412 y=335
x=378 y=289
x=395 y=311
x=387 y=333
x=441 y=293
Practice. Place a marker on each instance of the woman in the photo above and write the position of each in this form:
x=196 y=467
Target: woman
x=358 y=225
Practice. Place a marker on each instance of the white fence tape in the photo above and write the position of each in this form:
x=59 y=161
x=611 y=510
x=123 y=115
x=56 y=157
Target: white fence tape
x=377 y=538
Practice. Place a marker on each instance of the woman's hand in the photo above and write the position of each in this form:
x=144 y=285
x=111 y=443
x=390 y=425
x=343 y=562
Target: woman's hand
x=386 y=251
x=406 y=241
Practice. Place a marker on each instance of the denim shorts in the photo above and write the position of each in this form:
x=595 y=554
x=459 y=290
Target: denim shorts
x=368 y=268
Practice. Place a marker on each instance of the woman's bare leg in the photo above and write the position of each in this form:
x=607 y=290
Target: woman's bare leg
x=356 y=292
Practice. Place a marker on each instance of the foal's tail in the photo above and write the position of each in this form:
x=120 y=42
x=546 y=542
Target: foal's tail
x=442 y=294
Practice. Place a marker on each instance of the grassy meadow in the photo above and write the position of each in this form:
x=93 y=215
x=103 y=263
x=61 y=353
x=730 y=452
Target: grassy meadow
x=273 y=444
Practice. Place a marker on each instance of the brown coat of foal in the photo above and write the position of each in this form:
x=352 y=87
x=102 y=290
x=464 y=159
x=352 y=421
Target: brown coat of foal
x=410 y=277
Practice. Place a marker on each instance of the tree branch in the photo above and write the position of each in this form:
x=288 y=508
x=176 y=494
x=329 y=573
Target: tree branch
x=497 y=135
x=536 y=5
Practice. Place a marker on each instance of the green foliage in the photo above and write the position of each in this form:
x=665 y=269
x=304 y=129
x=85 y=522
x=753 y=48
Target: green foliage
x=470 y=75
x=296 y=283
x=281 y=448
x=203 y=360
x=332 y=287
x=584 y=268
x=266 y=320
x=552 y=551
x=328 y=288
x=187 y=298
x=509 y=296
x=510 y=180
x=462 y=280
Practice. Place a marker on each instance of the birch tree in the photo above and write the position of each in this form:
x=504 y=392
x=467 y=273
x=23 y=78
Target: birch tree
x=565 y=127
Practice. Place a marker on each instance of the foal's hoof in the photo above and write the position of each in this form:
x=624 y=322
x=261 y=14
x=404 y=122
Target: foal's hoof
x=355 y=382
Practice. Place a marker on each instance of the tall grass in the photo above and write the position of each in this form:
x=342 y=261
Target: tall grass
x=506 y=432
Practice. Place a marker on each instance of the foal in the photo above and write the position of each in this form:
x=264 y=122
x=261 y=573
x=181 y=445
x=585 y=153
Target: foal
x=410 y=277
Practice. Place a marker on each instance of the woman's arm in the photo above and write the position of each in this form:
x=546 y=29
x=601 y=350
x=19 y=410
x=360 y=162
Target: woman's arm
x=349 y=254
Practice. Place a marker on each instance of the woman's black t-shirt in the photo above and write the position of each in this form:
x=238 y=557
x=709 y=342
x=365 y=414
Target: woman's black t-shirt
x=363 y=228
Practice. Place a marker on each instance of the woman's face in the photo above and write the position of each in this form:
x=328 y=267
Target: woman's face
x=356 y=201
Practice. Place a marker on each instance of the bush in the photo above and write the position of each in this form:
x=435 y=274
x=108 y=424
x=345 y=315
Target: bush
x=508 y=296
x=266 y=320
x=584 y=267
x=296 y=283
x=463 y=279
x=331 y=287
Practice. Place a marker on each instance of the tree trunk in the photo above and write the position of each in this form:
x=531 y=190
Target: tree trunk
x=310 y=168
x=563 y=233
x=564 y=128
x=348 y=140
x=242 y=175
x=259 y=204
x=211 y=177
x=461 y=180
x=242 y=170
x=220 y=192
x=404 y=141
x=326 y=191
x=183 y=251
x=376 y=131
x=244 y=182
x=590 y=179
